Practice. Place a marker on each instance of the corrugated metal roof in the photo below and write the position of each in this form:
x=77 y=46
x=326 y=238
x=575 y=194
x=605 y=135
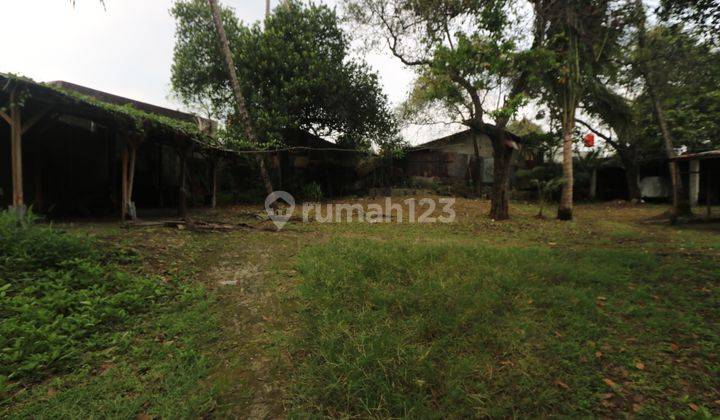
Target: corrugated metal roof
x=711 y=154
x=462 y=136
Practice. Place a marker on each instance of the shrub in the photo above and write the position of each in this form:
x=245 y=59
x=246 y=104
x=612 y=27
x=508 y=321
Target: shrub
x=60 y=297
x=312 y=192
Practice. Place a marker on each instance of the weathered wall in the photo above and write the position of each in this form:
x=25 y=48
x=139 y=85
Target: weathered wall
x=451 y=163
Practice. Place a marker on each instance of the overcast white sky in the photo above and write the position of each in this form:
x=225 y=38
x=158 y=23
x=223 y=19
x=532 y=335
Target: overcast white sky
x=125 y=49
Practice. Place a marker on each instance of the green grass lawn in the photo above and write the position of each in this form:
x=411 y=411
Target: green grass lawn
x=604 y=316
x=397 y=329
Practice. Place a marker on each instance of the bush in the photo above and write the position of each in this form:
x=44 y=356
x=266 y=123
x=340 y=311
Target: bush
x=60 y=297
x=312 y=192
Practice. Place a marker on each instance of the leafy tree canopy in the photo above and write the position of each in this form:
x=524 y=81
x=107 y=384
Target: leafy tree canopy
x=295 y=72
x=703 y=14
x=467 y=55
x=687 y=68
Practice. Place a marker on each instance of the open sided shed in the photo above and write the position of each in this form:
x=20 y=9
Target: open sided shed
x=703 y=180
x=76 y=151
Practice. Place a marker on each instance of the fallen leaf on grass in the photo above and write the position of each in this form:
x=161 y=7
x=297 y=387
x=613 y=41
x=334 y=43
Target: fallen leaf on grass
x=606 y=396
x=598 y=354
x=561 y=384
x=640 y=365
x=607 y=403
x=610 y=383
x=693 y=407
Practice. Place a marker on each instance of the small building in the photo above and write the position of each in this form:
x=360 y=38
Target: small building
x=68 y=150
x=451 y=160
x=703 y=176
x=310 y=159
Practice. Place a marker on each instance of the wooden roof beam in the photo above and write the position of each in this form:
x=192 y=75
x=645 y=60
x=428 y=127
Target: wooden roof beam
x=6 y=117
x=34 y=119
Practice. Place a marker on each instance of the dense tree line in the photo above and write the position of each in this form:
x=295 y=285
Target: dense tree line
x=646 y=86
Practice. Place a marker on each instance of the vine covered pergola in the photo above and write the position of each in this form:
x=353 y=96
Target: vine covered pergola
x=31 y=109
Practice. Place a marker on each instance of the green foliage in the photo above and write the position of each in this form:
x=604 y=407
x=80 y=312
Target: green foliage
x=584 y=39
x=463 y=65
x=537 y=145
x=312 y=192
x=60 y=297
x=295 y=71
x=703 y=14
x=687 y=71
x=544 y=180
x=136 y=121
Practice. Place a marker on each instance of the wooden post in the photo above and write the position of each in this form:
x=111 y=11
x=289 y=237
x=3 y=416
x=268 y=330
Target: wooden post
x=182 y=199
x=694 y=181
x=160 y=178
x=16 y=154
x=708 y=193
x=213 y=199
x=124 y=201
x=131 y=182
x=38 y=203
x=128 y=175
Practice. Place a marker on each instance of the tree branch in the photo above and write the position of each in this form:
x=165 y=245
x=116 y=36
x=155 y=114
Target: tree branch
x=393 y=45
x=477 y=104
x=605 y=137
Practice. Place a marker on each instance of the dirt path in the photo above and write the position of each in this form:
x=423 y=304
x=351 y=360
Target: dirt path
x=255 y=285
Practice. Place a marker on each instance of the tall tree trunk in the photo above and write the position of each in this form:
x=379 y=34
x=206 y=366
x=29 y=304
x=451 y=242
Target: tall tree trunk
x=628 y=157
x=500 y=196
x=565 y=210
x=240 y=108
x=631 y=178
x=680 y=201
